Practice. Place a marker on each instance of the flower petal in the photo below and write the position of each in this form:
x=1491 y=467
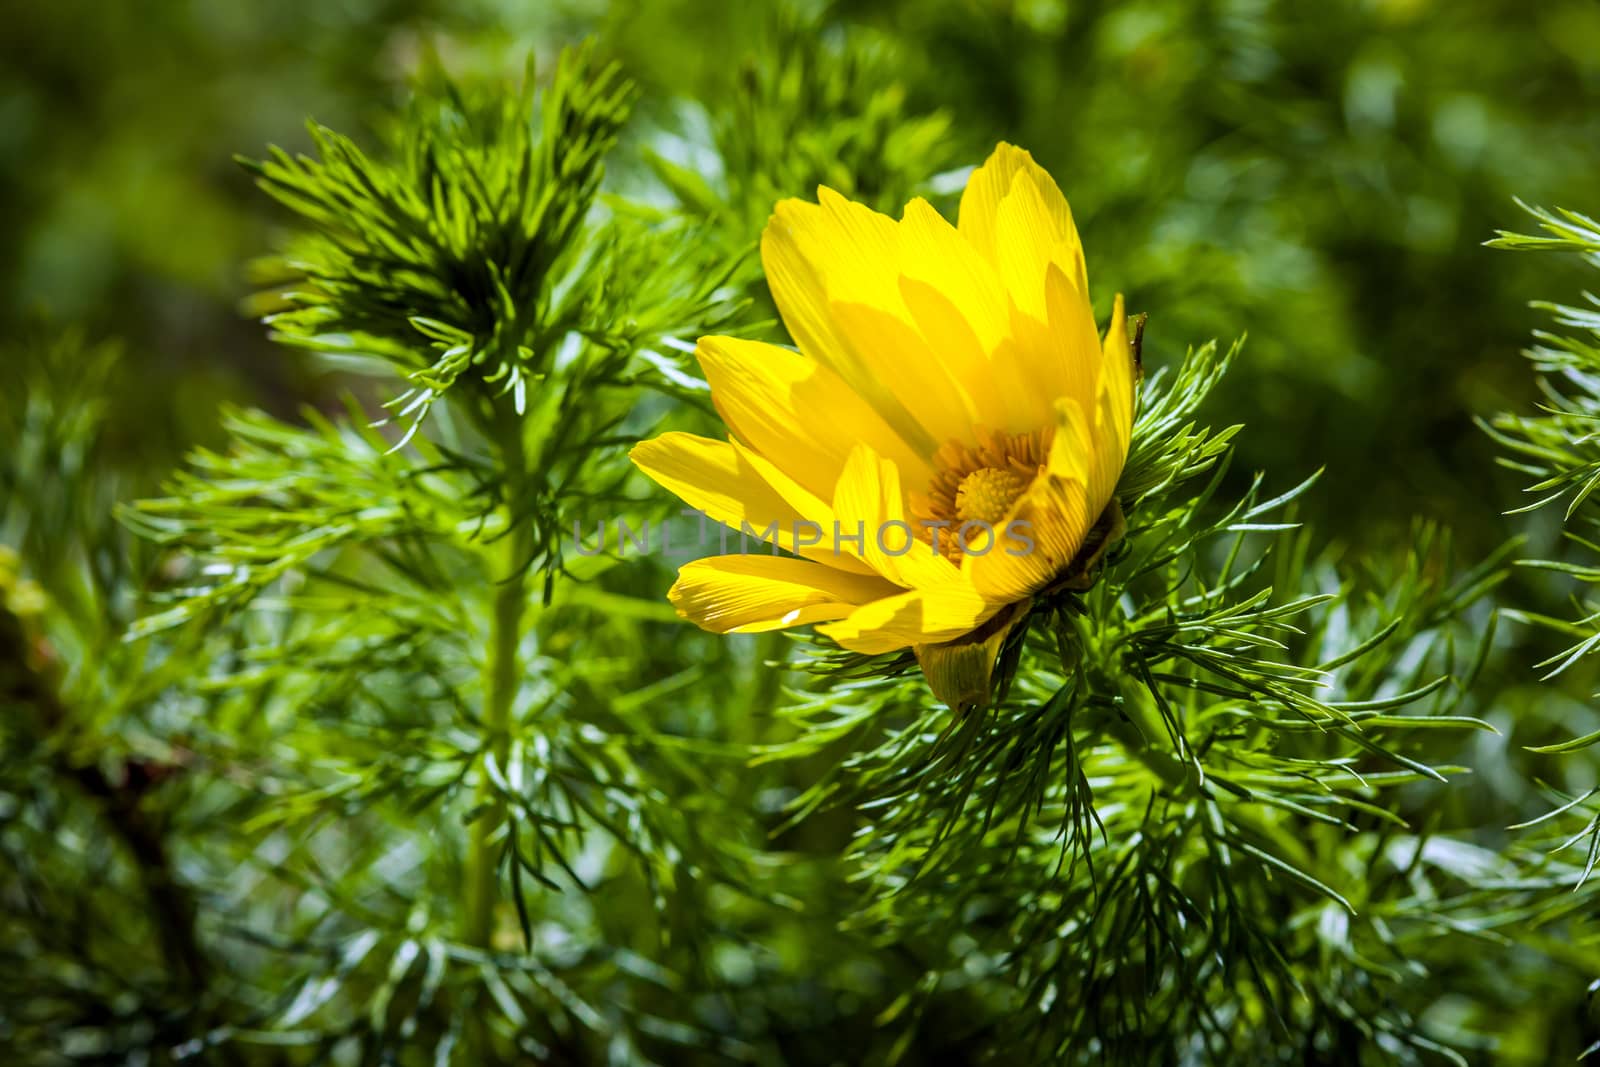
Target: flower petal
x=795 y=411
x=934 y=253
x=1057 y=355
x=852 y=286
x=945 y=330
x=1118 y=376
x=961 y=672
x=1030 y=238
x=1091 y=441
x=752 y=594
x=730 y=486
x=902 y=358
x=816 y=253
x=1013 y=212
x=869 y=501
x=1075 y=353
x=921 y=616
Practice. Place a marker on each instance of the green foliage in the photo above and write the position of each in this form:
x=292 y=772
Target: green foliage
x=464 y=250
x=806 y=107
x=1183 y=833
x=93 y=915
x=377 y=629
x=1557 y=448
x=769 y=144
x=329 y=749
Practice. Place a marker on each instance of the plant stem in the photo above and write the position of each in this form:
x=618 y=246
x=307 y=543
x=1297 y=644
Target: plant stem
x=1142 y=734
x=502 y=674
x=1138 y=725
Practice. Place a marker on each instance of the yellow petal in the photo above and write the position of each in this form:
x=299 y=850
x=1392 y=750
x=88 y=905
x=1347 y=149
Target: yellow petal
x=1077 y=354
x=1091 y=441
x=869 y=500
x=1029 y=240
x=800 y=241
x=961 y=672
x=1117 y=380
x=934 y=253
x=955 y=300
x=915 y=373
x=1026 y=393
x=945 y=330
x=796 y=287
x=751 y=594
x=836 y=271
x=834 y=250
x=921 y=616
x=1056 y=355
x=1021 y=238
x=795 y=411
x=856 y=248
x=729 y=486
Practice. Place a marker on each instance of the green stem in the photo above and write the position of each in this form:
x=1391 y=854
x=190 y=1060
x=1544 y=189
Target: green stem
x=1144 y=736
x=1138 y=725
x=502 y=674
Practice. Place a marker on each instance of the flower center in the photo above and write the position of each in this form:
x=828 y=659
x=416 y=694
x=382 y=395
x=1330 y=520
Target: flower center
x=977 y=483
x=987 y=494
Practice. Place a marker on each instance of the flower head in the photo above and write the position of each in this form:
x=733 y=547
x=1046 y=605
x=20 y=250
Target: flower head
x=941 y=448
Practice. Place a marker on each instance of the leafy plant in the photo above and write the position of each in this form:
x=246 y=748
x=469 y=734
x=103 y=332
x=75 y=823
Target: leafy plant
x=1183 y=833
x=335 y=747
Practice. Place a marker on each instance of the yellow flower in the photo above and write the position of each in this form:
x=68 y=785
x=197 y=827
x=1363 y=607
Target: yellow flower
x=941 y=448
